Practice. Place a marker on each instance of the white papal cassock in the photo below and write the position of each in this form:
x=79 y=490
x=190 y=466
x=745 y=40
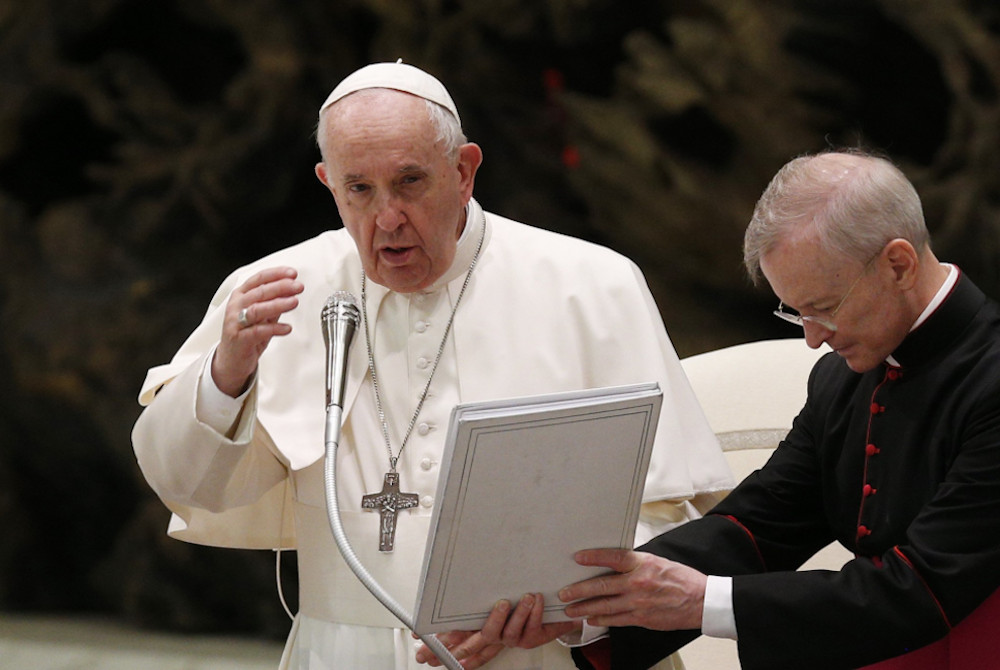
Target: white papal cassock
x=543 y=313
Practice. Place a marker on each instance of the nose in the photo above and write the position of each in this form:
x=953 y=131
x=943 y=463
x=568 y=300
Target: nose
x=388 y=215
x=816 y=334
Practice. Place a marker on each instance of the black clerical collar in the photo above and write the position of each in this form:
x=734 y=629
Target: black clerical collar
x=943 y=327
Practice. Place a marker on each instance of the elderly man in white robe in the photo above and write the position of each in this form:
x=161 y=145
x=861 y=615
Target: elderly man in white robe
x=458 y=305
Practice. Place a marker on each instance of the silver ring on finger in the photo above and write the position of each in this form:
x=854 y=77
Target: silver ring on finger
x=243 y=318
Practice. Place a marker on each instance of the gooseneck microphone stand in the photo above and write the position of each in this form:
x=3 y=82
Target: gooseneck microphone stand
x=340 y=319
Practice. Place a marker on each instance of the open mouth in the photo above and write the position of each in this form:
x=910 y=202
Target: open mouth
x=396 y=255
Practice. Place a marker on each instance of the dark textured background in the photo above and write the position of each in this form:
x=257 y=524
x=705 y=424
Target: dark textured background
x=147 y=148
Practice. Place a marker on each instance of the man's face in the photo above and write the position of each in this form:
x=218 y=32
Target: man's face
x=871 y=322
x=400 y=197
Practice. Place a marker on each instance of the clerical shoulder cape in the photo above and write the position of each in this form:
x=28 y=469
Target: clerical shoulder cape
x=543 y=313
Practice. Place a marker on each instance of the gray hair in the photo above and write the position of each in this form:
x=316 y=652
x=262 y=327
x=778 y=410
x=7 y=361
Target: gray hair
x=449 y=130
x=856 y=202
x=447 y=127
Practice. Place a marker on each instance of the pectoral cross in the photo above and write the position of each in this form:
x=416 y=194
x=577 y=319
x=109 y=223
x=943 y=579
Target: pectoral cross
x=388 y=502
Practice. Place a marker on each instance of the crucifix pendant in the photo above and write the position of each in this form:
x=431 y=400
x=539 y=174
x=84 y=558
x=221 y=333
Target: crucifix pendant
x=388 y=502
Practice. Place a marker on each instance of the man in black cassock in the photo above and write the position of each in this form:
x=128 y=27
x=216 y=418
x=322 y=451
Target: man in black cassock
x=896 y=455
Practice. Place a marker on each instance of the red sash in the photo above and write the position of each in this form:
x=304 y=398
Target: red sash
x=972 y=644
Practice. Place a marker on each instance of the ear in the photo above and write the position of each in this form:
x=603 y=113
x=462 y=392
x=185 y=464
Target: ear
x=321 y=174
x=904 y=262
x=324 y=178
x=470 y=157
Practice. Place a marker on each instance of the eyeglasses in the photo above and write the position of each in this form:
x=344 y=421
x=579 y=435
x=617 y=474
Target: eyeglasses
x=800 y=320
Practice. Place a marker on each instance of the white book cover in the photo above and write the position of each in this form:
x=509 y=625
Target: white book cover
x=526 y=483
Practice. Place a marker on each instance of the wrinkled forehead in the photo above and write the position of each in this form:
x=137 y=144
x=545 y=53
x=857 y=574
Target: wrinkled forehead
x=396 y=76
x=801 y=270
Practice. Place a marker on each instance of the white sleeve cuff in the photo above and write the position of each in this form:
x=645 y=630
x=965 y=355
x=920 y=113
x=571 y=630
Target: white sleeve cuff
x=214 y=408
x=717 y=617
x=585 y=636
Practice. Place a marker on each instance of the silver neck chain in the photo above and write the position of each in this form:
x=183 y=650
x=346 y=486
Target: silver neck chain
x=437 y=359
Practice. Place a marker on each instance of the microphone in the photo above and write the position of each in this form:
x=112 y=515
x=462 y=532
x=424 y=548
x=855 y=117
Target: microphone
x=340 y=318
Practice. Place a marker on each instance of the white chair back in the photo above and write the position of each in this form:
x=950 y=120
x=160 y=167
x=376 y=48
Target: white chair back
x=750 y=394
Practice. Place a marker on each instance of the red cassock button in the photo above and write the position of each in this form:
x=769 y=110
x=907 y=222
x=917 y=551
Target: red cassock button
x=871 y=450
x=869 y=490
x=894 y=374
x=876 y=408
x=863 y=532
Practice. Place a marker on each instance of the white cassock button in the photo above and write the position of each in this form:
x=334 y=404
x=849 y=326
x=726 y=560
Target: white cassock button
x=426 y=464
x=423 y=428
x=427 y=501
x=422 y=362
x=421 y=326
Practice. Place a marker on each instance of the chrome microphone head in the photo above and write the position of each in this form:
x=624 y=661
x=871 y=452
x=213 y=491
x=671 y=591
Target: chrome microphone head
x=341 y=305
x=340 y=318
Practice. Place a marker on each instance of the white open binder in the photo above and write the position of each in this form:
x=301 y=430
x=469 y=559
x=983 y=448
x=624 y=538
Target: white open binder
x=525 y=484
